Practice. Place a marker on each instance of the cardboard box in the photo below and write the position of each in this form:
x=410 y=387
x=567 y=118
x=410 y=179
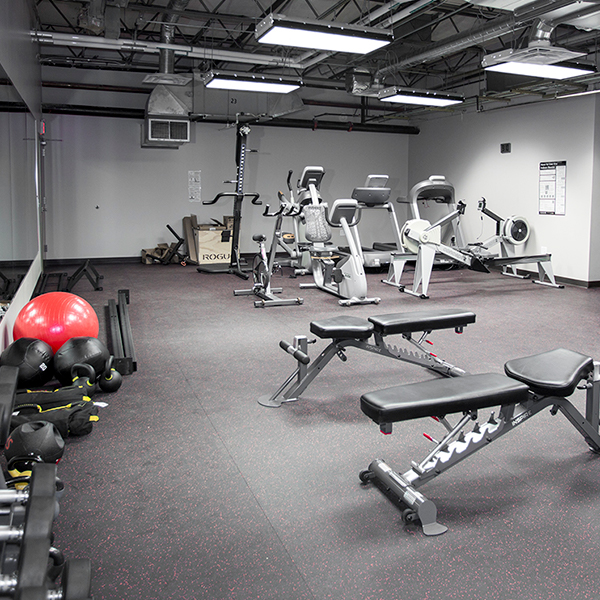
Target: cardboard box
x=213 y=244
x=189 y=225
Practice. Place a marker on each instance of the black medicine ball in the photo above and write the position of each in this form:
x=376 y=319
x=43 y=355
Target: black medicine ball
x=87 y=350
x=35 y=440
x=33 y=359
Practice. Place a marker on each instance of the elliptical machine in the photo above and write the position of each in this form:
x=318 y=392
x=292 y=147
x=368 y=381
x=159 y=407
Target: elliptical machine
x=290 y=241
x=340 y=274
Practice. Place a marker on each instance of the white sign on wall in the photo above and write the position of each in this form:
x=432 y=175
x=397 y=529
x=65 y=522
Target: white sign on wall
x=553 y=188
x=194 y=186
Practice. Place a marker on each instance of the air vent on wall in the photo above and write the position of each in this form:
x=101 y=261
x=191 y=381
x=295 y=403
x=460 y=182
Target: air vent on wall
x=167 y=123
x=168 y=130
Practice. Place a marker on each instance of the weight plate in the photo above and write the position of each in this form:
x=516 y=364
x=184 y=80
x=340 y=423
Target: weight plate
x=77 y=579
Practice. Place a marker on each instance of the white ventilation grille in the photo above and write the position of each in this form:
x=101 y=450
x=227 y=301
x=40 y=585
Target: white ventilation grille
x=168 y=130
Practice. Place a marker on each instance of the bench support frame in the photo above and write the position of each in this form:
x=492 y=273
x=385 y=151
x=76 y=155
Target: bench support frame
x=302 y=377
x=458 y=445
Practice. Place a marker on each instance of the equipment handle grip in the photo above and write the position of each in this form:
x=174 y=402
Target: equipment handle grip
x=276 y=213
x=297 y=354
x=255 y=197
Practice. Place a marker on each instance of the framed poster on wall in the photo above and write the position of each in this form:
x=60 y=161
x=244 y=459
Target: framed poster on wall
x=553 y=188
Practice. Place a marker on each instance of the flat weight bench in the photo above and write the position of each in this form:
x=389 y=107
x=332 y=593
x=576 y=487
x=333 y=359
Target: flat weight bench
x=350 y=331
x=530 y=385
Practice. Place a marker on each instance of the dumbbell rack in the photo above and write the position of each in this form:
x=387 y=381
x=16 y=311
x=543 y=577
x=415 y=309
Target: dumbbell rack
x=26 y=518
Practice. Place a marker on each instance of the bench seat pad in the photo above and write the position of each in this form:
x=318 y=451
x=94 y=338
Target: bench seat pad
x=439 y=397
x=342 y=327
x=422 y=320
x=553 y=373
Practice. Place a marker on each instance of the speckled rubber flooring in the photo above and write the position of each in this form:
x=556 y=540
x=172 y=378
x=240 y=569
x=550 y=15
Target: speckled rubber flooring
x=188 y=489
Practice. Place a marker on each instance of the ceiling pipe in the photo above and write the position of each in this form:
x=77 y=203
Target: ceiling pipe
x=521 y=18
x=100 y=43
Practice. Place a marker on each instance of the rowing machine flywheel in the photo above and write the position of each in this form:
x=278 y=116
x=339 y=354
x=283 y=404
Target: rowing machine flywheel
x=516 y=230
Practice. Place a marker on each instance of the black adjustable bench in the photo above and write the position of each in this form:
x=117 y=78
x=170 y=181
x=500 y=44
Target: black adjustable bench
x=349 y=331
x=530 y=385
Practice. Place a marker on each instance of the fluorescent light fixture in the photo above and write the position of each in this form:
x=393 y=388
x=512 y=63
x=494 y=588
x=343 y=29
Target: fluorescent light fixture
x=557 y=71
x=420 y=97
x=251 y=82
x=321 y=35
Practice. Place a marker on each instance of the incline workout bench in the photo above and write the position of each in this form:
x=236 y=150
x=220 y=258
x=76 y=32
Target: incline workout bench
x=349 y=331
x=530 y=385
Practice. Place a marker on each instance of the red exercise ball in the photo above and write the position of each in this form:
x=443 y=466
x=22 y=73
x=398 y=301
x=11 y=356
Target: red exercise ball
x=56 y=317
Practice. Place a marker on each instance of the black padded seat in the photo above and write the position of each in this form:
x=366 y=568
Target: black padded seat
x=342 y=327
x=553 y=373
x=422 y=320
x=439 y=397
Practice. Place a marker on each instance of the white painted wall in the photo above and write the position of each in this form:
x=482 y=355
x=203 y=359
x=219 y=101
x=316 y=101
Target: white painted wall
x=108 y=197
x=595 y=212
x=467 y=151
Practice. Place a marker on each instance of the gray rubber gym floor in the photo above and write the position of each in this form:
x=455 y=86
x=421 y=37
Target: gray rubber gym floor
x=188 y=489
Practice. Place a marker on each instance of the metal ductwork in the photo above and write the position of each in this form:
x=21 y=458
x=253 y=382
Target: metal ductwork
x=167 y=123
x=522 y=17
x=166 y=57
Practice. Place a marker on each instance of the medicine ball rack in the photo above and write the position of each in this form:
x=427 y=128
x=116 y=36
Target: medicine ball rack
x=120 y=338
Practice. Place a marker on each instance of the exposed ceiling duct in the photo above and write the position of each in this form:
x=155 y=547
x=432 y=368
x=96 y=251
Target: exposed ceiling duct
x=167 y=123
x=438 y=45
x=522 y=17
x=166 y=58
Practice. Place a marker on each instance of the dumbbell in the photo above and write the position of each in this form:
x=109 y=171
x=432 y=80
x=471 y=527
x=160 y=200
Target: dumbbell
x=75 y=584
x=30 y=581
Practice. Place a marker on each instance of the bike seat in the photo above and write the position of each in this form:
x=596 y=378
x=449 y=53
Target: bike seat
x=259 y=237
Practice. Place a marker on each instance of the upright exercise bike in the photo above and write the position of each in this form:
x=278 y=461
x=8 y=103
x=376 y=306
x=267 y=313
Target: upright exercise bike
x=264 y=266
x=340 y=274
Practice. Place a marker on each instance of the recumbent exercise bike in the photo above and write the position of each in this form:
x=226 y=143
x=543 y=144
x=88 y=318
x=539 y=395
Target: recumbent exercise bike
x=340 y=274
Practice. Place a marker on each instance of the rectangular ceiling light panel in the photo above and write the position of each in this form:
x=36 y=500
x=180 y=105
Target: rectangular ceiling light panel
x=419 y=97
x=321 y=35
x=249 y=82
x=558 y=71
